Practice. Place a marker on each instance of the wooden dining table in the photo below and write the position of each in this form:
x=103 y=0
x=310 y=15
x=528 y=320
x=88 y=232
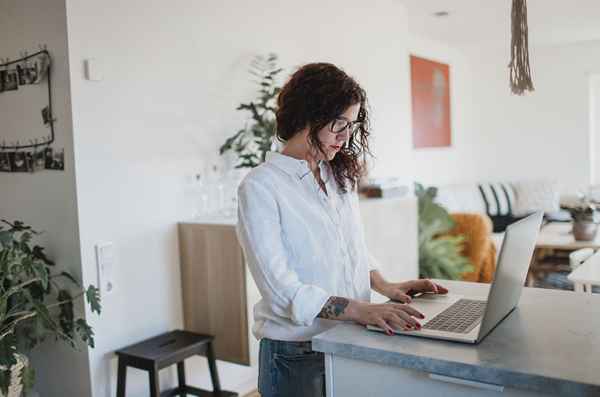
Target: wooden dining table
x=554 y=243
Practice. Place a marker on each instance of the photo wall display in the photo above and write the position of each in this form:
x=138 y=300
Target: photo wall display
x=31 y=161
x=28 y=71
x=39 y=153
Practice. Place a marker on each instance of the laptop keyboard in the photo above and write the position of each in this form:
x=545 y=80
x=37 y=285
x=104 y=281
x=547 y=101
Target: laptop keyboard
x=461 y=317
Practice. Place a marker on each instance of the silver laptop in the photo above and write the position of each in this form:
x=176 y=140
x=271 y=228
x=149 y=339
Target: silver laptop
x=470 y=319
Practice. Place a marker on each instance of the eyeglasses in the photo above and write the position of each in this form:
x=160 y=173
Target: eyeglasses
x=340 y=125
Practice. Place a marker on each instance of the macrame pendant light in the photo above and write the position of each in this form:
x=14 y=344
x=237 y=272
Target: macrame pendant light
x=520 y=72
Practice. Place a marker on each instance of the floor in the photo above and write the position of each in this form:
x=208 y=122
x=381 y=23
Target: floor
x=253 y=394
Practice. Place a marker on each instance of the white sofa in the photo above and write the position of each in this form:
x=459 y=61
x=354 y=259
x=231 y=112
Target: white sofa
x=520 y=197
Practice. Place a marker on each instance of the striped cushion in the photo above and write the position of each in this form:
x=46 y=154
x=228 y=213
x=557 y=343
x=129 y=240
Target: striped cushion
x=499 y=200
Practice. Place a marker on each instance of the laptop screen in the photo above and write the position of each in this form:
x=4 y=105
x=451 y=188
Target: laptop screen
x=513 y=264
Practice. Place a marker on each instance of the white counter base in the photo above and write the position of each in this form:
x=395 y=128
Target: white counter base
x=346 y=377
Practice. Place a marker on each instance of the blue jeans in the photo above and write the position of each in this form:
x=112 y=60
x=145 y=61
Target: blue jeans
x=290 y=369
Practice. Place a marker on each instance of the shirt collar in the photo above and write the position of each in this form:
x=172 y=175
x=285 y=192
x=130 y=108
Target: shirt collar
x=293 y=166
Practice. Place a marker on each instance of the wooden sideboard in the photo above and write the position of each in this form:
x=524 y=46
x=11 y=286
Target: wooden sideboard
x=219 y=293
x=214 y=286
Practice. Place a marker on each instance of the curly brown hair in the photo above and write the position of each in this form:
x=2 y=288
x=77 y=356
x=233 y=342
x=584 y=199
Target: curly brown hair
x=315 y=95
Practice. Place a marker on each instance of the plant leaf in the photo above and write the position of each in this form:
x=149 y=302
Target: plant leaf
x=93 y=297
x=8 y=347
x=85 y=332
x=69 y=277
x=66 y=315
x=439 y=256
x=28 y=377
x=6 y=237
x=230 y=141
x=38 y=252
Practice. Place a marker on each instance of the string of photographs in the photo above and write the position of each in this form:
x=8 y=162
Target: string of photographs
x=36 y=154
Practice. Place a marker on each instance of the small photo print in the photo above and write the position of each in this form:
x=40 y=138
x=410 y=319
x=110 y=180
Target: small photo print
x=41 y=66
x=39 y=160
x=5 y=162
x=21 y=75
x=27 y=74
x=57 y=160
x=29 y=161
x=48 y=152
x=19 y=162
x=11 y=81
x=32 y=73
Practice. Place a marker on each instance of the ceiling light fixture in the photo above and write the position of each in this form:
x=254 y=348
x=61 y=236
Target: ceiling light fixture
x=441 y=14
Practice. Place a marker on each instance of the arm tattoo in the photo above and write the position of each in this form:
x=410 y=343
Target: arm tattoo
x=333 y=308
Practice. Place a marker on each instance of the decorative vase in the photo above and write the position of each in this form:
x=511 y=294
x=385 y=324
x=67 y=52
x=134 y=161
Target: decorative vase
x=584 y=231
x=15 y=387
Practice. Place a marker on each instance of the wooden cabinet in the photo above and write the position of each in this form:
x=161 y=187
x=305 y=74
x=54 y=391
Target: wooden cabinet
x=213 y=280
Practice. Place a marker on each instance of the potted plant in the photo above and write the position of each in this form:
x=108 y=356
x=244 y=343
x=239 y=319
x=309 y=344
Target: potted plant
x=583 y=213
x=439 y=254
x=35 y=303
x=252 y=142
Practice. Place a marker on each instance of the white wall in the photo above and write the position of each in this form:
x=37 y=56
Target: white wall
x=499 y=136
x=173 y=74
x=46 y=199
x=594 y=128
x=543 y=134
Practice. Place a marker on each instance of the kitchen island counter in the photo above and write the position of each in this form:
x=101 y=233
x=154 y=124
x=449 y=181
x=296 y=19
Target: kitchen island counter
x=549 y=345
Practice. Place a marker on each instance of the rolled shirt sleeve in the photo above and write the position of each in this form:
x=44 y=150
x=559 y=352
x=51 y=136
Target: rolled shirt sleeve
x=259 y=232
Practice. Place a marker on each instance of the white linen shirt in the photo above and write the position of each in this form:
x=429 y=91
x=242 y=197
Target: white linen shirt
x=301 y=245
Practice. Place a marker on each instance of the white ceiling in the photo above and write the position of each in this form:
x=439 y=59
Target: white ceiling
x=488 y=21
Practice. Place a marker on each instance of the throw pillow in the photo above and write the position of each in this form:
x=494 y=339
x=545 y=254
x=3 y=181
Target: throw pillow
x=535 y=195
x=499 y=199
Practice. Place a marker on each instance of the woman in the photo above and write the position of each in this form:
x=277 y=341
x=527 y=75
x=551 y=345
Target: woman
x=300 y=228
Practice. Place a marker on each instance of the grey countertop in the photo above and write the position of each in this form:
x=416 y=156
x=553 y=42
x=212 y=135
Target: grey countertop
x=549 y=343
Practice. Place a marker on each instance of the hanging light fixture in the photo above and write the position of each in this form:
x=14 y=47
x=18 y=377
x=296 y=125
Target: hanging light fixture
x=520 y=72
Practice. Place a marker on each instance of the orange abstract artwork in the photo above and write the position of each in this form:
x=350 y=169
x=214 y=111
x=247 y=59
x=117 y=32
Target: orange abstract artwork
x=430 y=88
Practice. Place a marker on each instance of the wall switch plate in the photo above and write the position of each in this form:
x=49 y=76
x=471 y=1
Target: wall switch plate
x=92 y=70
x=106 y=260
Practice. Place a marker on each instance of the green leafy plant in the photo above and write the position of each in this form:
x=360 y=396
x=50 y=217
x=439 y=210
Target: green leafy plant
x=35 y=303
x=439 y=254
x=252 y=143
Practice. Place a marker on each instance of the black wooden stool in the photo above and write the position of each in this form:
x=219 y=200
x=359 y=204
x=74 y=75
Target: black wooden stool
x=163 y=351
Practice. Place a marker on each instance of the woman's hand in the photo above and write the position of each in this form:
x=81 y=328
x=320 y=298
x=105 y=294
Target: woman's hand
x=387 y=316
x=403 y=292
